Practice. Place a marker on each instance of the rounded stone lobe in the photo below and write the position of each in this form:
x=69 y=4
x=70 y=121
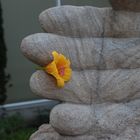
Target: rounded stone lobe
x=71 y=119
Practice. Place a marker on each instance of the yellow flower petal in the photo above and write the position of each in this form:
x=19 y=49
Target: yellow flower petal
x=55 y=56
x=52 y=69
x=59 y=68
x=60 y=59
x=60 y=82
x=67 y=74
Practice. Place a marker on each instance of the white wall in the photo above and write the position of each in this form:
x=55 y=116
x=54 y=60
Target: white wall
x=20 y=20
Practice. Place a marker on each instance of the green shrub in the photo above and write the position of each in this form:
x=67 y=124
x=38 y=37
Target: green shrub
x=15 y=128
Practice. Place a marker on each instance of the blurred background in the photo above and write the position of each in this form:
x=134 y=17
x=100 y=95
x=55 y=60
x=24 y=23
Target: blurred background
x=21 y=111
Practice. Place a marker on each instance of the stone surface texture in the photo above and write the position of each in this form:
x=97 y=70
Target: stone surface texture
x=102 y=100
x=129 y=5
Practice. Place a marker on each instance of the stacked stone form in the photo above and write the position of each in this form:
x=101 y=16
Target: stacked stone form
x=102 y=100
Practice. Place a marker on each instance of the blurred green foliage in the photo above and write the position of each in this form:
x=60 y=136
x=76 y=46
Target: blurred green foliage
x=15 y=128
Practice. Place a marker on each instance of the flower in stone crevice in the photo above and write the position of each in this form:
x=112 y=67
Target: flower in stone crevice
x=59 y=68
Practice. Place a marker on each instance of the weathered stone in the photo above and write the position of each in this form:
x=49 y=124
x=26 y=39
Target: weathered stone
x=77 y=91
x=114 y=121
x=119 y=85
x=129 y=5
x=90 y=86
x=71 y=119
x=102 y=99
x=116 y=52
x=38 y=48
x=45 y=132
x=74 y=21
x=121 y=53
x=50 y=134
x=90 y=22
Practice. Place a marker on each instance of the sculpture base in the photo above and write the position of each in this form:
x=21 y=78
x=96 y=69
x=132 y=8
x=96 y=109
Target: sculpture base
x=46 y=132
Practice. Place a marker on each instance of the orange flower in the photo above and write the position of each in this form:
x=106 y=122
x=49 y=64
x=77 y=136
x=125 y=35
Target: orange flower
x=59 y=68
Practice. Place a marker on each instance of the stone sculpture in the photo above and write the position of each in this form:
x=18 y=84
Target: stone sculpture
x=102 y=100
x=128 y=5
